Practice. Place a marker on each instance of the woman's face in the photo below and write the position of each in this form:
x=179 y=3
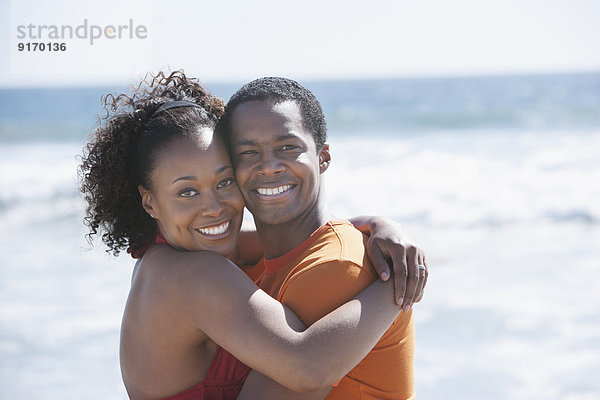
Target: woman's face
x=194 y=198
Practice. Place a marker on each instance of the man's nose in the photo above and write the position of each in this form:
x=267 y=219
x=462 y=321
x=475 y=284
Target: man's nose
x=270 y=164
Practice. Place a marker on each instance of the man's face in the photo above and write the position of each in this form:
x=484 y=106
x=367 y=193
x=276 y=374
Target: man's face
x=277 y=165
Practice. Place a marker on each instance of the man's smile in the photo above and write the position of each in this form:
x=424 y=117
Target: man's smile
x=271 y=193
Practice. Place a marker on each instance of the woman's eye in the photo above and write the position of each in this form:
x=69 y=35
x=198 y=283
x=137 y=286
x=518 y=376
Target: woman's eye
x=225 y=183
x=247 y=152
x=188 y=193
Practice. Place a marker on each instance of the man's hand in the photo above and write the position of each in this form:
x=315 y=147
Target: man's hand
x=389 y=245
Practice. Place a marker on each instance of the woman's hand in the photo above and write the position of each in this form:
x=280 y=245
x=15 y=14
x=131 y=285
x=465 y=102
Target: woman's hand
x=387 y=245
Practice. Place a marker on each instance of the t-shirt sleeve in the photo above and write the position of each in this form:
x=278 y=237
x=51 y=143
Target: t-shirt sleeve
x=319 y=289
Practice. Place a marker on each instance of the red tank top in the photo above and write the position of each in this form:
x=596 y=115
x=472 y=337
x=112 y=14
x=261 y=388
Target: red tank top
x=226 y=374
x=224 y=380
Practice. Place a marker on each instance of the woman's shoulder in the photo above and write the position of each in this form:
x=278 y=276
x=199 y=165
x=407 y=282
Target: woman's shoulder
x=163 y=263
x=165 y=256
x=196 y=288
x=166 y=281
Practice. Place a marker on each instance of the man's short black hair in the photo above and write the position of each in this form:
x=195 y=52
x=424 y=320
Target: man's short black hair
x=280 y=90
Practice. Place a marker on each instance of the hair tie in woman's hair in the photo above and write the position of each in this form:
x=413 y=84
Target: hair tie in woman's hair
x=174 y=104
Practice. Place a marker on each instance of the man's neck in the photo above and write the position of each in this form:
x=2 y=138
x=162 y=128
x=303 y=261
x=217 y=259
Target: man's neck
x=277 y=240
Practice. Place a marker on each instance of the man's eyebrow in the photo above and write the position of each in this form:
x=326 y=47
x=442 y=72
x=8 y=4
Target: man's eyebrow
x=249 y=142
x=286 y=136
x=245 y=142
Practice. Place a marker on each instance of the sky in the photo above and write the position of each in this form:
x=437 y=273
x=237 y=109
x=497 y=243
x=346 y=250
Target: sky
x=233 y=41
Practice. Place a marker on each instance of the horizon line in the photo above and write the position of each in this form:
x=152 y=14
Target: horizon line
x=312 y=79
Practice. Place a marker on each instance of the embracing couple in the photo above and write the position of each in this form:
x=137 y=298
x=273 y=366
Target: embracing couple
x=291 y=310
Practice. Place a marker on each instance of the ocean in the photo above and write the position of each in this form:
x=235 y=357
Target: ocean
x=494 y=176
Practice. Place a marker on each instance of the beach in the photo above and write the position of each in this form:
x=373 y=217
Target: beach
x=495 y=177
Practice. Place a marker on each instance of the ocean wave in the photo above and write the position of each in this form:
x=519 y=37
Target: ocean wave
x=468 y=181
x=461 y=180
x=38 y=181
x=576 y=215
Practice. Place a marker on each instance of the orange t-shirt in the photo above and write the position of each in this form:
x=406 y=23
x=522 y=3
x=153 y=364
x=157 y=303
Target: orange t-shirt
x=325 y=271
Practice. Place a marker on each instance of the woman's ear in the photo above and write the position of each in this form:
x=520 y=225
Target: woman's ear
x=324 y=158
x=147 y=201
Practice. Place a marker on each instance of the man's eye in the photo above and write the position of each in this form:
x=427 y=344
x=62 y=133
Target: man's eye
x=288 y=147
x=247 y=152
x=188 y=193
x=225 y=183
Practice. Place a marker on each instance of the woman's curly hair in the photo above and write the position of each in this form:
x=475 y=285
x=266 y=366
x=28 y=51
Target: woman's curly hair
x=123 y=149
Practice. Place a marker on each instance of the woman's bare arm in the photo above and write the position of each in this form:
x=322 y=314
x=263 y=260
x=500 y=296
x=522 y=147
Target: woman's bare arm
x=259 y=386
x=218 y=298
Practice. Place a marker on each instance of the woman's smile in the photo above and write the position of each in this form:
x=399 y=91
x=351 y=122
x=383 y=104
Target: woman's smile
x=215 y=232
x=196 y=207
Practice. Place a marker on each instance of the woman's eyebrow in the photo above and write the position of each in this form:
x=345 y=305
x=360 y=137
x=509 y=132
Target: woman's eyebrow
x=221 y=169
x=185 y=178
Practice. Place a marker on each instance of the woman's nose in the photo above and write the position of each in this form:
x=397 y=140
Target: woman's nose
x=211 y=205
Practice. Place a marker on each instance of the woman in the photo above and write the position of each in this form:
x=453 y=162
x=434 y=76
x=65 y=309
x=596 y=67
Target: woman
x=155 y=173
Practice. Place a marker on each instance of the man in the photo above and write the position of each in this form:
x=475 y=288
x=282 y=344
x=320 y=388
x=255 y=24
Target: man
x=276 y=133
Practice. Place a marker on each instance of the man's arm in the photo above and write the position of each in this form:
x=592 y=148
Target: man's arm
x=389 y=245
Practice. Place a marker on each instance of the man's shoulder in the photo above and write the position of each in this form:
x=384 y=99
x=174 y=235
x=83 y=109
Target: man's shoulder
x=339 y=241
x=332 y=270
x=338 y=253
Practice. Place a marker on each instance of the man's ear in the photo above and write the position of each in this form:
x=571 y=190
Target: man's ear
x=147 y=200
x=324 y=158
